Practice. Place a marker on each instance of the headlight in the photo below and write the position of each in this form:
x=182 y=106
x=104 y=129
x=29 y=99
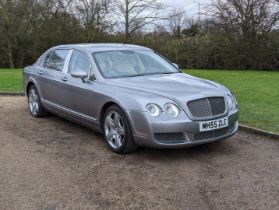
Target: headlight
x=231 y=102
x=172 y=110
x=153 y=110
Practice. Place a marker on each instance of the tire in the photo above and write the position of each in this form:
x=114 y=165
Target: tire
x=35 y=106
x=117 y=131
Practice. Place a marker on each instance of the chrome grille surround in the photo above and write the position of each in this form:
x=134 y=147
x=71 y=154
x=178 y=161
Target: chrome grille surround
x=206 y=108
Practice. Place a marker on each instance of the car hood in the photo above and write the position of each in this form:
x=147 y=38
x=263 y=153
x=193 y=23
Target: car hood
x=178 y=86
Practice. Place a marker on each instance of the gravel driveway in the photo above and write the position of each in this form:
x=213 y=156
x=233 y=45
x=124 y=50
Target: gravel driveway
x=51 y=163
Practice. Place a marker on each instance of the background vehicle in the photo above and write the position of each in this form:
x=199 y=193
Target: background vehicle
x=131 y=94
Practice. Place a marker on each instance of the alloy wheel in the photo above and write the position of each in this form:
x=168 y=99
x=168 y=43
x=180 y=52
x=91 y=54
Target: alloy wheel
x=114 y=130
x=33 y=101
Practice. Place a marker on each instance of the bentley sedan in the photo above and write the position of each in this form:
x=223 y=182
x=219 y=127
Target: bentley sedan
x=133 y=95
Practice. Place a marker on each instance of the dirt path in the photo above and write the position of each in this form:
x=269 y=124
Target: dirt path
x=51 y=163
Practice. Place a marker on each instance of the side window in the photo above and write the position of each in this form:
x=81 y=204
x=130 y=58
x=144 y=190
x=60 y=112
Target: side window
x=57 y=59
x=45 y=64
x=79 y=62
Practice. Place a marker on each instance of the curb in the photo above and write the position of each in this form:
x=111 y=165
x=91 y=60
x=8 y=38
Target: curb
x=259 y=131
x=11 y=94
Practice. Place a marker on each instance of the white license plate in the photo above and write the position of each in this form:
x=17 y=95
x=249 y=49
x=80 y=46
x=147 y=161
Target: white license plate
x=214 y=124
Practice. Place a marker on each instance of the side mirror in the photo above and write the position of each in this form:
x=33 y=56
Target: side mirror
x=176 y=65
x=80 y=74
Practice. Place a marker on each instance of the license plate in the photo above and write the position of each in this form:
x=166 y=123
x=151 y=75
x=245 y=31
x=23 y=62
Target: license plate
x=214 y=124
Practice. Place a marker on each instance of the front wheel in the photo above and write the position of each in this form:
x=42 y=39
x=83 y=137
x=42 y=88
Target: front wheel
x=118 y=132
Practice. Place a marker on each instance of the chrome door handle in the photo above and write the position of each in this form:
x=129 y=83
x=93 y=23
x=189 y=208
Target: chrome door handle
x=65 y=79
x=40 y=72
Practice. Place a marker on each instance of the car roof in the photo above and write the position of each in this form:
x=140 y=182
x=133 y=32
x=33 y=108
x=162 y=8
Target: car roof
x=98 y=47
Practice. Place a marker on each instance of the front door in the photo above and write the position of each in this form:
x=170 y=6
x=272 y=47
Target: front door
x=82 y=94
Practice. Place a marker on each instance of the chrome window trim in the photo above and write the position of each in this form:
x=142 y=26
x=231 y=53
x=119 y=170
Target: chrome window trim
x=62 y=71
x=70 y=57
x=67 y=62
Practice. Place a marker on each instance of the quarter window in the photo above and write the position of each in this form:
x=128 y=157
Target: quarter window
x=45 y=64
x=57 y=60
x=79 y=62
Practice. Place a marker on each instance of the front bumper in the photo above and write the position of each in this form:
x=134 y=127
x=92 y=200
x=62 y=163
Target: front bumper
x=181 y=132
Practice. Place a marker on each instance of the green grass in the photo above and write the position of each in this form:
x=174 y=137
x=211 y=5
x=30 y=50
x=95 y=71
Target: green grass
x=11 y=80
x=257 y=92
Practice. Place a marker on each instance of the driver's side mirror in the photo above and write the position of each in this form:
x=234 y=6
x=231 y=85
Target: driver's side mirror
x=176 y=65
x=80 y=74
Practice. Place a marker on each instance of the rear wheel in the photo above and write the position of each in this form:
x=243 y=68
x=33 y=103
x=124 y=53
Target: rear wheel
x=117 y=131
x=34 y=103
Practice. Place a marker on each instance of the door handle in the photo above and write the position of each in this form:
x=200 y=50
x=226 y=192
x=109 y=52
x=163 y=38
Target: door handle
x=65 y=79
x=40 y=72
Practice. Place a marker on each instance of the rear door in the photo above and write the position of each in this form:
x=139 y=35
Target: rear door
x=52 y=78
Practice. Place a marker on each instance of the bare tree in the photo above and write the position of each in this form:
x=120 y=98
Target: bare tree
x=92 y=15
x=247 y=25
x=136 y=14
x=252 y=18
x=176 y=21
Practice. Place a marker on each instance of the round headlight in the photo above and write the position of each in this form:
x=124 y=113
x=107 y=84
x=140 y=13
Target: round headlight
x=153 y=110
x=172 y=110
x=231 y=103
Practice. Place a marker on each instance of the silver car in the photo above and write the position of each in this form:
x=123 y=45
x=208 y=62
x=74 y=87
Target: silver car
x=131 y=94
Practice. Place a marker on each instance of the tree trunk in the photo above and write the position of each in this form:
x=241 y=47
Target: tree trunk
x=10 y=54
x=127 y=34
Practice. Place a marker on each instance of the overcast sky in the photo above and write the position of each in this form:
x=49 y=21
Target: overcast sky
x=190 y=6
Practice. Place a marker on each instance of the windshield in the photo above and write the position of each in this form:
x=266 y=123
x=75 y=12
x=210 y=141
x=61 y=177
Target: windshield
x=129 y=63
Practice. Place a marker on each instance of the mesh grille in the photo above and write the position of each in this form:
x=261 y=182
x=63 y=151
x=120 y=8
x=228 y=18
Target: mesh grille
x=207 y=107
x=170 y=138
x=217 y=105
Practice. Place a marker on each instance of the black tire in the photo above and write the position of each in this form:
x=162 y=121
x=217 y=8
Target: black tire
x=41 y=112
x=128 y=145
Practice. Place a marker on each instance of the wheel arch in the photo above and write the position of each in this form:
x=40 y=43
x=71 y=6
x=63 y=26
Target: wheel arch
x=106 y=106
x=29 y=84
x=103 y=111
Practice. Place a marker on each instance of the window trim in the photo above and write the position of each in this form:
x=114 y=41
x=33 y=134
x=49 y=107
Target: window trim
x=51 y=52
x=93 y=54
x=45 y=57
x=90 y=73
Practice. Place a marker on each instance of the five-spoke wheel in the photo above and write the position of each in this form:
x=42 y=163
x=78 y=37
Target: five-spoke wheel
x=33 y=101
x=117 y=131
x=114 y=129
x=35 y=107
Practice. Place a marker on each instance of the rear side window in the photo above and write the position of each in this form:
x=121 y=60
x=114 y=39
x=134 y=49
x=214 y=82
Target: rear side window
x=57 y=59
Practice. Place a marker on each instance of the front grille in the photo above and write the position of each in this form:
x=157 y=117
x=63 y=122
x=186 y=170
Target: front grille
x=214 y=134
x=207 y=107
x=170 y=138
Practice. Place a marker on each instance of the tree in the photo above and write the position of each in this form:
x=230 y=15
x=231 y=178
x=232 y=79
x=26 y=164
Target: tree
x=92 y=15
x=176 y=21
x=136 y=14
x=248 y=23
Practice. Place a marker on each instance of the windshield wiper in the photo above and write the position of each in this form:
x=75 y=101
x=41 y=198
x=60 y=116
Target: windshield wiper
x=169 y=73
x=155 y=73
x=136 y=75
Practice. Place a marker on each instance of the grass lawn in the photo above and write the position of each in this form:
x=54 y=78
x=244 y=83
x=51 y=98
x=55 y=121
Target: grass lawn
x=257 y=92
x=11 y=80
